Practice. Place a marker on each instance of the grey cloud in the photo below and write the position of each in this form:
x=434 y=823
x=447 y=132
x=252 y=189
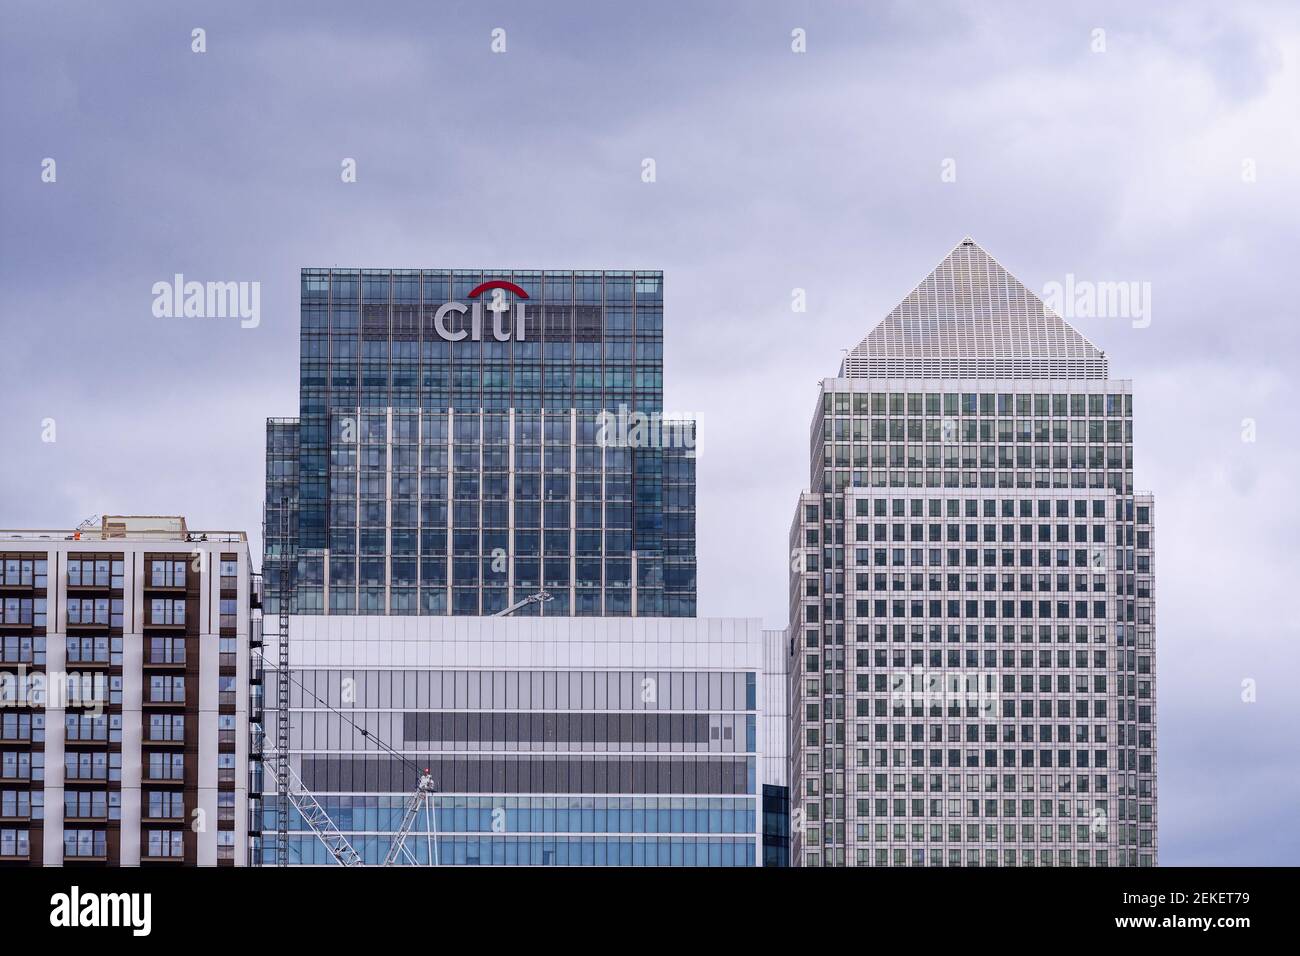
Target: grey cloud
x=818 y=171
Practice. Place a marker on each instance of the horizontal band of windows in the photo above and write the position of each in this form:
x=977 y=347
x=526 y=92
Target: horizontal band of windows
x=525 y=815
x=554 y=730
x=684 y=774
x=531 y=689
x=538 y=851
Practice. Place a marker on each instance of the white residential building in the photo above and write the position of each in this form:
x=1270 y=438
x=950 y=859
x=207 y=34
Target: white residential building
x=124 y=695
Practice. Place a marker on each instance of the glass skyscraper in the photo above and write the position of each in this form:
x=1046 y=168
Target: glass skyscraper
x=972 y=638
x=452 y=454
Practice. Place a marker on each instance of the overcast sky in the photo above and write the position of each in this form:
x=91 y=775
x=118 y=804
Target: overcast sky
x=1164 y=150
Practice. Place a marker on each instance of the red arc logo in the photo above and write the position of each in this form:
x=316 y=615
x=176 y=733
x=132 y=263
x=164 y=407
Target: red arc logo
x=497 y=284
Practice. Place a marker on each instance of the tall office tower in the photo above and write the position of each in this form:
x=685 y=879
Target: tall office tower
x=466 y=439
x=125 y=695
x=972 y=632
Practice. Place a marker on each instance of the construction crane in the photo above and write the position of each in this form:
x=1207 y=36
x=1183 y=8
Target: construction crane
x=292 y=792
x=541 y=597
x=312 y=813
x=422 y=799
x=285 y=588
x=321 y=824
x=90 y=524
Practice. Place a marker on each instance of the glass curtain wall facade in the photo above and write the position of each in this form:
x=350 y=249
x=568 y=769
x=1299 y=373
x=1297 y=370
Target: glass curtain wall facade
x=437 y=469
x=599 y=743
x=972 y=640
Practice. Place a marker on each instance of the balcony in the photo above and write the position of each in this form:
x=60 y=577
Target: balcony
x=164 y=661
x=84 y=818
x=164 y=695
x=162 y=855
x=90 y=587
x=163 y=781
x=89 y=663
x=84 y=846
x=172 y=623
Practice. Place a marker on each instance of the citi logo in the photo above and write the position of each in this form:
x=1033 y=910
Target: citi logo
x=74 y=908
x=500 y=309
